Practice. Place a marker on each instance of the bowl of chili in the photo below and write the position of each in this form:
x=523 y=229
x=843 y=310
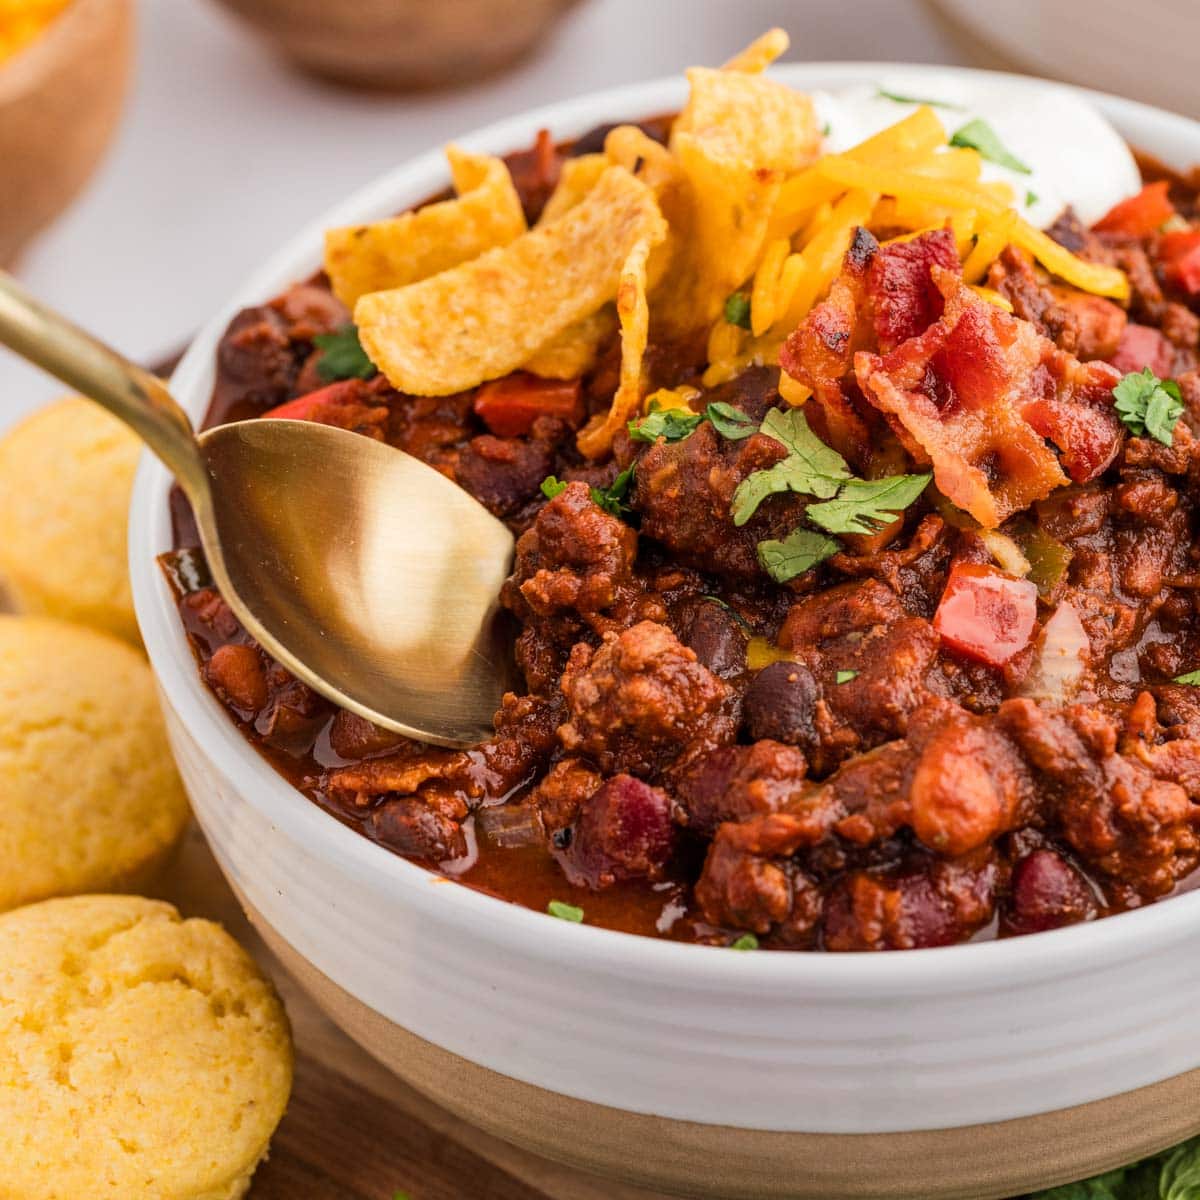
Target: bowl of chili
x=981 y=1069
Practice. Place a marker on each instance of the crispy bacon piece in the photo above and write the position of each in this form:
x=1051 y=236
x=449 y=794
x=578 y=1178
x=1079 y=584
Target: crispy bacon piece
x=900 y=284
x=978 y=392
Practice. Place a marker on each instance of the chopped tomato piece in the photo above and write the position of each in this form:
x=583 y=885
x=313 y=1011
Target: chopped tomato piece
x=350 y=404
x=985 y=614
x=1142 y=346
x=509 y=406
x=1180 y=253
x=1140 y=215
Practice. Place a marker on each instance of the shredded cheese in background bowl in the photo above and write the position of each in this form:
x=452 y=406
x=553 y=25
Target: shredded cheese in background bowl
x=24 y=21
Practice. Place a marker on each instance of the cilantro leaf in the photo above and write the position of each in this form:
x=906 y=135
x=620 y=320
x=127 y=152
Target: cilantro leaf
x=552 y=486
x=730 y=422
x=864 y=505
x=565 y=912
x=674 y=424
x=746 y=942
x=979 y=135
x=342 y=355
x=1192 y=679
x=737 y=310
x=811 y=467
x=1180 y=1176
x=1031 y=198
x=900 y=98
x=801 y=550
x=612 y=498
x=846 y=676
x=1149 y=405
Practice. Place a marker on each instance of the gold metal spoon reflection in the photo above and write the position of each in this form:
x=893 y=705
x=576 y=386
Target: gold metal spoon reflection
x=363 y=571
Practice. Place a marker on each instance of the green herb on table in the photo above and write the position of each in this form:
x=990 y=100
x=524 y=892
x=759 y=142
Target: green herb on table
x=800 y=551
x=810 y=468
x=342 y=355
x=900 y=98
x=866 y=505
x=564 y=911
x=846 y=676
x=746 y=942
x=1031 y=198
x=979 y=135
x=1149 y=405
x=1172 y=1175
x=826 y=129
x=737 y=310
x=1192 y=679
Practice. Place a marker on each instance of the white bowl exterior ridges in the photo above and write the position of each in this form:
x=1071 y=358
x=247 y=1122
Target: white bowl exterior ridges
x=816 y=1043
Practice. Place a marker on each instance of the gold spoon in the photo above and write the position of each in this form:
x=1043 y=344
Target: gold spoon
x=363 y=571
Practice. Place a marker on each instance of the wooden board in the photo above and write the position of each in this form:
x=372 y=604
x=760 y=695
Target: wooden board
x=353 y=1131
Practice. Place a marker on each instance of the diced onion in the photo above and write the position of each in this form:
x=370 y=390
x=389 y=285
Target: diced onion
x=1062 y=658
x=1006 y=552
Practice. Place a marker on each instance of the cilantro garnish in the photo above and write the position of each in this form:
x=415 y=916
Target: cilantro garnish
x=979 y=135
x=1192 y=679
x=826 y=129
x=730 y=422
x=737 y=310
x=864 y=505
x=846 y=676
x=1149 y=405
x=811 y=467
x=1031 y=198
x=564 y=911
x=900 y=98
x=342 y=355
x=800 y=551
x=611 y=498
x=674 y=424
x=746 y=942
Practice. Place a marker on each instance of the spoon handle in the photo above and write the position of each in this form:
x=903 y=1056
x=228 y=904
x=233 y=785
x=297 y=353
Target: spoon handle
x=88 y=366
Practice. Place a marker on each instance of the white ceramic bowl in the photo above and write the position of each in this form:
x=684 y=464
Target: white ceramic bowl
x=677 y=1065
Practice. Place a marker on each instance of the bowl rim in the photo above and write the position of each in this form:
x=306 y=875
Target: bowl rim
x=966 y=968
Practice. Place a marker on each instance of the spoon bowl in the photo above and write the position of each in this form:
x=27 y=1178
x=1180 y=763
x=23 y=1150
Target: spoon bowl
x=364 y=572
x=372 y=576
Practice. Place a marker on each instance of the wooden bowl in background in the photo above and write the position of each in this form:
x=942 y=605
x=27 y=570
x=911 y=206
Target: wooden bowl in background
x=401 y=43
x=60 y=102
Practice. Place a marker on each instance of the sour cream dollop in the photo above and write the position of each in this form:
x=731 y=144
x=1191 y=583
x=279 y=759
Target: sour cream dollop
x=1074 y=155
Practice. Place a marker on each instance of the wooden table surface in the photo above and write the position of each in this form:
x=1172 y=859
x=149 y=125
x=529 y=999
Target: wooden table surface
x=353 y=1131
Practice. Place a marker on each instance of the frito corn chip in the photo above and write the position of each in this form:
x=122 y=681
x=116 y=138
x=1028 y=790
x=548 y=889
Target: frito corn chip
x=577 y=177
x=737 y=139
x=402 y=250
x=490 y=316
x=760 y=54
x=595 y=438
x=573 y=351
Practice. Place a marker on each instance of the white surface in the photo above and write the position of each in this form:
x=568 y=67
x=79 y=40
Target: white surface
x=225 y=152
x=976 y=1033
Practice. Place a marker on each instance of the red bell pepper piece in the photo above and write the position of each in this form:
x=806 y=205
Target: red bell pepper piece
x=509 y=406
x=1180 y=254
x=985 y=614
x=305 y=408
x=1140 y=215
x=1143 y=346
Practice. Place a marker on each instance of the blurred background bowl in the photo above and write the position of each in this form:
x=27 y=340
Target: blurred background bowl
x=60 y=102
x=1147 y=51
x=401 y=43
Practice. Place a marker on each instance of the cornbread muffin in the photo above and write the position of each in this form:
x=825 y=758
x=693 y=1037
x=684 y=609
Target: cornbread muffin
x=142 y=1057
x=66 y=474
x=89 y=797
